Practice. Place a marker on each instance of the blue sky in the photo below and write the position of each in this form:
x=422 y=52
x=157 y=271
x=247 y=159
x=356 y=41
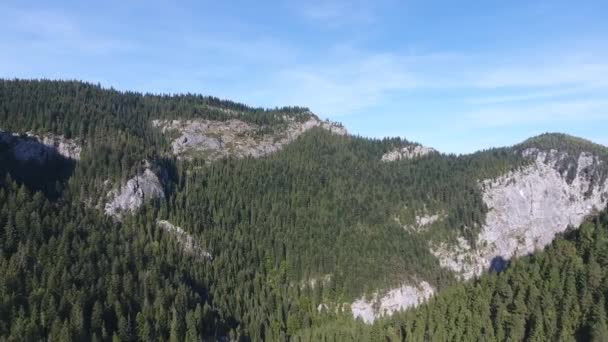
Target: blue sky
x=456 y=75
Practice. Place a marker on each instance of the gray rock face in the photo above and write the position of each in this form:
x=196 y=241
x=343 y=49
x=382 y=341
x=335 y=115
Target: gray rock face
x=217 y=139
x=334 y=127
x=528 y=208
x=31 y=147
x=408 y=152
x=188 y=243
x=134 y=194
x=394 y=300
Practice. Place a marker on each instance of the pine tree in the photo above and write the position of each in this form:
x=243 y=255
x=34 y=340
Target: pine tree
x=598 y=328
x=176 y=333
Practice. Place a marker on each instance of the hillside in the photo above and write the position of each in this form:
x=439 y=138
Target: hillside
x=187 y=217
x=554 y=295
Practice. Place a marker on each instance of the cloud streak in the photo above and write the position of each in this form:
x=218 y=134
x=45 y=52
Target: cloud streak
x=340 y=88
x=53 y=32
x=591 y=73
x=336 y=13
x=529 y=96
x=553 y=112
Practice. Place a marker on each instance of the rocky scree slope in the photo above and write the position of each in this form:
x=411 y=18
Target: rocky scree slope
x=185 y=239
x=214 y=140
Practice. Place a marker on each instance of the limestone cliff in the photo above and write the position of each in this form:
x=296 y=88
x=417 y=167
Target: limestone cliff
x=213 y=140
x=528 y=207
x=40 y=148
x=132 y=195
x=393 y=300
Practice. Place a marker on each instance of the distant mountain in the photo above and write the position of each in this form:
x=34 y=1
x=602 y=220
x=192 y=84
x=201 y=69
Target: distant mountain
x=154 y=217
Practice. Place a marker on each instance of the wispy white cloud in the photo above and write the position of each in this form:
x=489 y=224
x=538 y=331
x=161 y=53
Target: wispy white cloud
x=540 y=113
x=53 y=32
x=548 y=74
x=567 y=88
x=340 y=88
x=334 y=13
x=245 y=51
x=528 y=96
x=345 y=83
x=347 y=80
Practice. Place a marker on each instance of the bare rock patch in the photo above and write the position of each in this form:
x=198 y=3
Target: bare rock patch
x=132 y=195
x=407 y=152
x=527 y=208
x=393 y=300
x=41 y=148
x=217 y=139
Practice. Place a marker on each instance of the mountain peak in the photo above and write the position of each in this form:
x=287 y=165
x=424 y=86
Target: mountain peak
x=563 y=142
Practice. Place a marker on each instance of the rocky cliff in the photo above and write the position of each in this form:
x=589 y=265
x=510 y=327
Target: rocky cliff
x=528 y=207
x=40 y=148
x=393 y=300
x=131 y=196
x=213 y=140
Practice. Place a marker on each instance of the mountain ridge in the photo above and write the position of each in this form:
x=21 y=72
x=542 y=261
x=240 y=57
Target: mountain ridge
x=322 y=206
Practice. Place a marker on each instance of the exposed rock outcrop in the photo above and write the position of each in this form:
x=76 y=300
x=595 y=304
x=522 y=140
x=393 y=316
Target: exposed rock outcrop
x=217 y=139
x=527 y=208
x=407 y=152
x=422 y=222
x=134 y=194
x=31 y=147
x=333 y=127
x=314 y=282
x=427 y=220
x=188 y=243
x=422 y=219
x=394 y=300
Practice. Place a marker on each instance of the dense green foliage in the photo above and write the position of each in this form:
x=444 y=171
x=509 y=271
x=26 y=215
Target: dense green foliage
x=555 y=295
x=323 y=209
x=114 y=126
x=69 y=273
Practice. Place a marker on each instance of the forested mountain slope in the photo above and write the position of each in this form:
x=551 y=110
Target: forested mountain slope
x=189 y=217
x=555 y=295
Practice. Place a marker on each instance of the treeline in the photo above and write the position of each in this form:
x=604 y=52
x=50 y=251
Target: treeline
x=79 y=109
x=115 y=127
